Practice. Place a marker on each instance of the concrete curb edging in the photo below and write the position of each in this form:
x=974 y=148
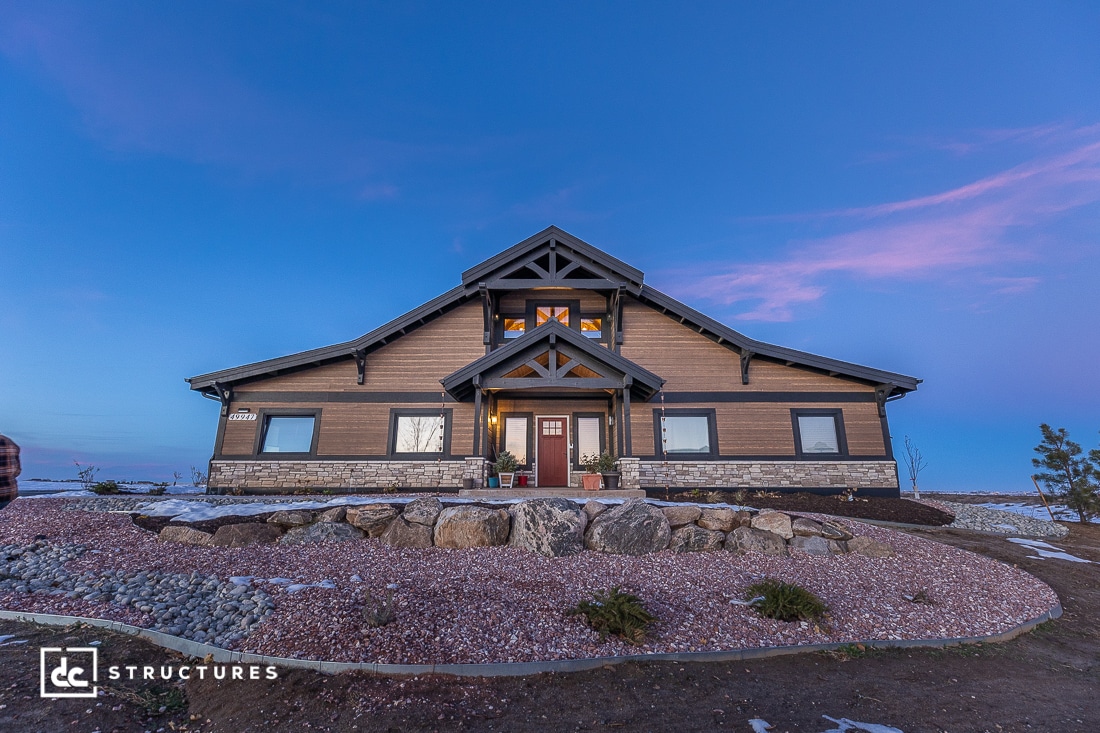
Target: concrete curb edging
x=508 y=669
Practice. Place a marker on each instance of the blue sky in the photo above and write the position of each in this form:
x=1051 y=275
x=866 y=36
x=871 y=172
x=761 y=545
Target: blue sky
x=195 y=186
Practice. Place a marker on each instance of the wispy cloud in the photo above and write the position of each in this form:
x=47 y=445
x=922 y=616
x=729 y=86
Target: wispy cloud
x=979 y=228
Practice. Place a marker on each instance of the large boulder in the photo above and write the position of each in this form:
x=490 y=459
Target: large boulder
x=471 y=526
x=551 y=527
x=774 y=522
x=402 y=533
x=633 y=528
x=291 y=518
x=814 y=545
x=594 y=509
x=336 y=514
x=372 y=518
x=722 y=519
x=747 y=539
x=248 y=533
x=423 y=511
x=869 y=548
x=184 y=535
x=803 y=527
x=321 y=532
x=680 y=516
x=691 y=538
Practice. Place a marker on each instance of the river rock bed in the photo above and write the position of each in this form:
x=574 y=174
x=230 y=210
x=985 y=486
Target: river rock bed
x=985 y=519
x=194 y=605
x=500 y=604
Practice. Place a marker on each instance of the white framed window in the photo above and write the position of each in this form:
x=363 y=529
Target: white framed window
x=588 y=436
x=515 y=437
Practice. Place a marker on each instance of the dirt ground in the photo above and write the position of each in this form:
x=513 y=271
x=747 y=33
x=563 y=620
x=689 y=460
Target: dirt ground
x=1044 y=681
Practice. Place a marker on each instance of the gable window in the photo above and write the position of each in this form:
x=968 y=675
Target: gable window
x=288 y=433
x=592 y=327
x=419 y=432
x=547 y=313
x=819 y=432
x=514 y=326
x=687 y=433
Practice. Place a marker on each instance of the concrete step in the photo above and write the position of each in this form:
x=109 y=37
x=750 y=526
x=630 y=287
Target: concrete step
x=565 y=493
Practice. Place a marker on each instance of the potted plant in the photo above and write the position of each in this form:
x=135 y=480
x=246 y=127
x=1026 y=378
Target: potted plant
x=506 y=466
x=591 y=478
x=606 y=467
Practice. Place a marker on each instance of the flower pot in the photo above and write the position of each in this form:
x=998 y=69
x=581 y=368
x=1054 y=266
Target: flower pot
x=611 y=480
x=591 y=481
x=467 y=483
x=506 y=479
x=522 y=480
x=494 y=482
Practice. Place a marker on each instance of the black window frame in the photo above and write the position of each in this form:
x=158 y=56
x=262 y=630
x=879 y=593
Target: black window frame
x=574 y=306
x=838 y=422
x=575 y=450
x=502 y=430
x=712 y=431
x=264 y=415
x=398 y=412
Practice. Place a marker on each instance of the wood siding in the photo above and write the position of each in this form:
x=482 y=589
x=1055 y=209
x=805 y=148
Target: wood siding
x=764 y=428
x=691 y=362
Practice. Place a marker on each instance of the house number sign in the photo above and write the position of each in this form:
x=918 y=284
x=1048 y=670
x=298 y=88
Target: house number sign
x=242 y=416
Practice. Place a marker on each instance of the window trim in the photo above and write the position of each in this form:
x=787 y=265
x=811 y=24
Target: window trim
x=712 y=432
x=263 y=416
x=399 y=412
x=838 y=422
x=575 y=449
x=574 y=307
x=502 y=429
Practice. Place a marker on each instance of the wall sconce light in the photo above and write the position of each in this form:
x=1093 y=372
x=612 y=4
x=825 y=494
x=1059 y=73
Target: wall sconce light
x=610 y=421
x=492 y=419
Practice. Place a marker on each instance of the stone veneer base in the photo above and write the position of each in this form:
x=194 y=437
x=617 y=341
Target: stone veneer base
x=268 y=475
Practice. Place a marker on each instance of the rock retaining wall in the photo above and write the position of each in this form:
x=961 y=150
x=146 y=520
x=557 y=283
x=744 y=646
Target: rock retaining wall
x=291 y=475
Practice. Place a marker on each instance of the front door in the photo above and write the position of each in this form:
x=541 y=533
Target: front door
x=553 y=451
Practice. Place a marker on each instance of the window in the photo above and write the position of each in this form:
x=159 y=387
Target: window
x=288 y=434
x=819 y=432
x=514 y=327
x=686 y=432
x=588 y=437
x=515 y=437
x=421 y=432
x=547 y=313
x=592 y=327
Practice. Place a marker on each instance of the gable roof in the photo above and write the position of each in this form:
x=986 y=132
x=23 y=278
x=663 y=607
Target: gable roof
x=614 y=371
x=501 y=270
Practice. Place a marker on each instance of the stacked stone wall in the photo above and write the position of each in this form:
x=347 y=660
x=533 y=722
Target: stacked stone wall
x=767 y=474
x=290 y=475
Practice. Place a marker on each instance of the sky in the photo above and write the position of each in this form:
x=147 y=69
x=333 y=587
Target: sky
x=194 y=186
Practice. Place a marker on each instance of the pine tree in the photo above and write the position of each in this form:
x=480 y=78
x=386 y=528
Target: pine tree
x=1069 y=476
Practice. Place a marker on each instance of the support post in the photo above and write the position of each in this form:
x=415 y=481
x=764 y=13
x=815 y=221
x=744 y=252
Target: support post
x=477 y=414
x=628 y=449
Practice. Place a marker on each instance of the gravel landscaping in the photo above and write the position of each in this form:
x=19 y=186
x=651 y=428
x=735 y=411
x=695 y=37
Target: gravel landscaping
x=970 y=516
x=491 y=604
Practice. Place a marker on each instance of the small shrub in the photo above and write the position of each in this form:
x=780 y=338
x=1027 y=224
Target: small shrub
x=159 y=489
x=86 y=474
x=105 y=487
x=379 y=612
x=198 y=478
x=506 y=463
x=615 y=612
x=391 y=488
x=784 y=601
x=921 y=596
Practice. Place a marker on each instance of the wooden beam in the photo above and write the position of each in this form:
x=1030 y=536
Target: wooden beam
x=746 y=359
x=628 y=448
x=360 y=365
x=578 y=284
x=477 y=415
x=535 y=382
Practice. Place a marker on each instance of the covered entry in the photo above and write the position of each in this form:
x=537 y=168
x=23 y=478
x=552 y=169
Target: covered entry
x=569 y=395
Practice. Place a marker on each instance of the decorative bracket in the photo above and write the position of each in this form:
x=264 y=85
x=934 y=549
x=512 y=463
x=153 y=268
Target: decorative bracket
x=225 y=395
x=360 y=365
x=882 y=394
x=746 y=359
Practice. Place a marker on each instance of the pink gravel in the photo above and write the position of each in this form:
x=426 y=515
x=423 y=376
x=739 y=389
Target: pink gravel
x=508 y=605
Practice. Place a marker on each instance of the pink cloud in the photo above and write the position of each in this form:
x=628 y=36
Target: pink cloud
x=979 y=228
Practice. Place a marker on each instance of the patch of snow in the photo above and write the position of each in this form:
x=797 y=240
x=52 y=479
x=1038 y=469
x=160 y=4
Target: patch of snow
x=844 y=725
x=1044 y=551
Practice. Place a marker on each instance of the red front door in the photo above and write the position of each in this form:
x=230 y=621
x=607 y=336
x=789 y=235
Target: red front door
x=553 y=451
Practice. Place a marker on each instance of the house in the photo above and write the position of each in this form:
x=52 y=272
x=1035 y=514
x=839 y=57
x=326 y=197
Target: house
x=553 y=350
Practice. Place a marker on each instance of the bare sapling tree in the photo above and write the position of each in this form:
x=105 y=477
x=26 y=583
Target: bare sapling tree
x=1069 y=476
x=198 y=478
x=915 y=462
x=176 y=476
x=86 y=474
